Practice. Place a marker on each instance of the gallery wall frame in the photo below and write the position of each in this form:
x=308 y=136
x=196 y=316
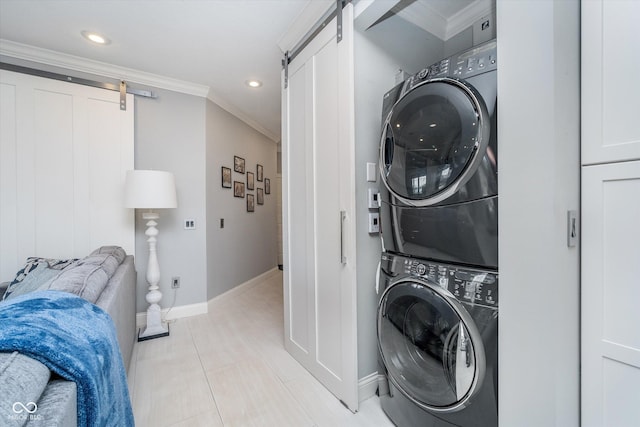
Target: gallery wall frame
x=250 y=181
x=260 y=192
x=260 y=173
x=226 y=177
x=250 y=203
x=238 y=164
x=238 y=189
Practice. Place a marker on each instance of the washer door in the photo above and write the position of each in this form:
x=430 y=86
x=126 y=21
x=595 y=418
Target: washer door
x=430 y=346
x=433 y=140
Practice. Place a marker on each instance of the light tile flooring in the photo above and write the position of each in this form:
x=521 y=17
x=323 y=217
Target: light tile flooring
x=229 y=368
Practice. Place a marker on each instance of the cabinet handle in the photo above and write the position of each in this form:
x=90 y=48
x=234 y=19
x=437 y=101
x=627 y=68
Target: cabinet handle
x=343 y=258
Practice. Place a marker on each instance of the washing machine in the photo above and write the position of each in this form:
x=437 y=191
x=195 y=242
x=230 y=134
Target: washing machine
x=437 y=331
x=439 y=160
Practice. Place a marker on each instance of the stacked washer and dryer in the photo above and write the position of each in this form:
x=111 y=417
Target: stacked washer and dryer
x=438 y=281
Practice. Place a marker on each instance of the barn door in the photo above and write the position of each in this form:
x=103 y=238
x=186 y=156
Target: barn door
x=318 y=211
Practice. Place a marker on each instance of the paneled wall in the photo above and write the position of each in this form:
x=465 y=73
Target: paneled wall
x=64 y=151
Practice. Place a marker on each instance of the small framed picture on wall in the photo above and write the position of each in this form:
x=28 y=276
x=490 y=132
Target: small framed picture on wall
x=238 y=189
x=226 y=177
x=260 y=196
x=267 y=186
x=250 y=204
x=259 y=172
x=238 y=164
x=250 y=182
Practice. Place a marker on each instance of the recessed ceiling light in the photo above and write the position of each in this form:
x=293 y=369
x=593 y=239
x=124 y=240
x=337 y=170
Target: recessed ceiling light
x=254 y=83
x=95 y=37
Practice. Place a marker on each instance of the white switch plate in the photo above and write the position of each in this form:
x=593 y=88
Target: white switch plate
x=371 y=172
x=374 y=222
x=373 y=198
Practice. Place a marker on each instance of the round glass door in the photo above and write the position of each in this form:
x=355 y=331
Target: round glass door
x=430 y=348
x=433 y=140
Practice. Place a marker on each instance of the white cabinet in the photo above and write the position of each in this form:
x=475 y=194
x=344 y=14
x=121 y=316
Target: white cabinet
x=610 y=267
x=610 y=83
x=611 y=294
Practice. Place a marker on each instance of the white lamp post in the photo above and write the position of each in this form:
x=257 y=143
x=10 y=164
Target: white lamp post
x=147 y=189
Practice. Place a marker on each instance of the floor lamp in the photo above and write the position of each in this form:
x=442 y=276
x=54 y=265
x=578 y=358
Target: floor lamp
x=151 y=190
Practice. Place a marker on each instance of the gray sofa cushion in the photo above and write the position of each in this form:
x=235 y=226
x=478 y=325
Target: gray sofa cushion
x=24 y=379
x=88 y=277
x=31 y=266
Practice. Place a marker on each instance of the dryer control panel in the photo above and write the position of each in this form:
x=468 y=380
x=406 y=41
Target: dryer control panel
x=468 y=285
x=478 y=60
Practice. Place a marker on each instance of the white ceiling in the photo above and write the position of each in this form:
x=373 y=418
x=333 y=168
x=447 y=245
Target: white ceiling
x=217 y=44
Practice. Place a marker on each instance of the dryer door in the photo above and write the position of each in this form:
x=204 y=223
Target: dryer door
x=430 y=346
x=433 y=140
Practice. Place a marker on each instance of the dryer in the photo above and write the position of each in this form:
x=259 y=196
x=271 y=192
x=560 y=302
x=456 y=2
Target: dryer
x=439 y=159
x=437 y=328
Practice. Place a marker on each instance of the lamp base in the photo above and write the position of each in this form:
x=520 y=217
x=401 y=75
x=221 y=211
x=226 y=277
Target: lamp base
x=155 y=328
x=149 y=335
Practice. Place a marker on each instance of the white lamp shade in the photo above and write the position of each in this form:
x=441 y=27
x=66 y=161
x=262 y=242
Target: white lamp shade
x=147 y=189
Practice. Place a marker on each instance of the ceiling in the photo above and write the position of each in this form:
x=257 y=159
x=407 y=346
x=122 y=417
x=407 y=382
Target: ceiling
x=215 y=44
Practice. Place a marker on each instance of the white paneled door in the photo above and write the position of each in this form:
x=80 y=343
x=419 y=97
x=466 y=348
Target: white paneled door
x=610 y=272
x=318 y=211
x=64 y=151
x=610 y=295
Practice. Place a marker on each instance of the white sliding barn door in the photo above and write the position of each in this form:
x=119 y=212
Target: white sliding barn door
x=318 y=211
x=64 y=151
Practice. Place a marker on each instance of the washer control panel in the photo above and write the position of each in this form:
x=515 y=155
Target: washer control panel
x=469 y=285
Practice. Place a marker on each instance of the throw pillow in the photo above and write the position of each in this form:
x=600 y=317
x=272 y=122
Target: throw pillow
x=31 y=265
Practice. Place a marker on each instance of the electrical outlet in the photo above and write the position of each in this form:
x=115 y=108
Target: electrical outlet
x=175 y=282
x=189 y=224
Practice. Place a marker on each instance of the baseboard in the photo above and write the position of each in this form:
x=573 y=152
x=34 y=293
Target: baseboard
x=175 y=313
x=189 y=310
x=367 y=386
x=243 y=287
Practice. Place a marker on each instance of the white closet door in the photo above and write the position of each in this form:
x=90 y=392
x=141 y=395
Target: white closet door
x=64 y=151
x=319 y=206
x=610 y=83
x=610 y=295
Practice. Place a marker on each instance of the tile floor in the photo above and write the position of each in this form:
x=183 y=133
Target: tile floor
x=229 y=368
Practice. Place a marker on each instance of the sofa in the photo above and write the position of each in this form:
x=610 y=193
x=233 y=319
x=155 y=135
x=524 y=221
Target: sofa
x=105 y=278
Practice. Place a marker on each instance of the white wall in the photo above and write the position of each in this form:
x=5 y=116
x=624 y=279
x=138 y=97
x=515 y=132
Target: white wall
x=538 y=127
x=247 y=245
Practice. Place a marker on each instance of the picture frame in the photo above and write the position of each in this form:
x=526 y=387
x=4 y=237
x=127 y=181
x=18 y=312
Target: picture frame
x=238 y=189
x=250 y=204
x=267 y=186
x=250 y=181
x=226 y=177
x=260 y=172
x=238 y=164
x=260 y=192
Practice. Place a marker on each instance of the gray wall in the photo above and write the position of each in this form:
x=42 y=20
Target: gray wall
x=377 y=59
x=539 y=91
x=247 y=245
x=170 y=135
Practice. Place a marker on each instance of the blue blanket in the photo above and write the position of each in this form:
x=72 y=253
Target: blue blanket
x=76 y=340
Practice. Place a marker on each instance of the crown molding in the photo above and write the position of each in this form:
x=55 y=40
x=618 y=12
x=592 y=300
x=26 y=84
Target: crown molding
x=225 y=105
x=84 y=65
x=467 y=16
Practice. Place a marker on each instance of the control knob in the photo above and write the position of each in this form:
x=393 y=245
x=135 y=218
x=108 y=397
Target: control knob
x=422 y=74
x=421 y=269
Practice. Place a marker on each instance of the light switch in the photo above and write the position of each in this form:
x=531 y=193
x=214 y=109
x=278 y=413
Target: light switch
x=373 y=198
x=371 y=172
x=374 y=222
